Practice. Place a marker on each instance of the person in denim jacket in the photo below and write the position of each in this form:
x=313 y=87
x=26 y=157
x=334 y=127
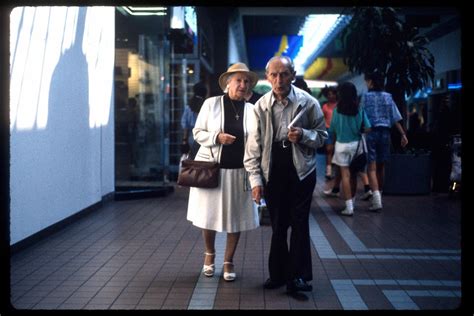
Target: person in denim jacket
x=383 y=114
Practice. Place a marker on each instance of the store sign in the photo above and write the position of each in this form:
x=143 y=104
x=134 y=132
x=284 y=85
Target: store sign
x=269 y=46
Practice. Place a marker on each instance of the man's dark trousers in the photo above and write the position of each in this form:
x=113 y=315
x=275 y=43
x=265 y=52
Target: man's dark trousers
x=289 y=203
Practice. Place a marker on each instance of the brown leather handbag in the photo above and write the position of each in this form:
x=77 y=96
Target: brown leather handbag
x=199 y=174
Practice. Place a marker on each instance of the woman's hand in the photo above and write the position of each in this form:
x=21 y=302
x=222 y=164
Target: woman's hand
x=225 y=139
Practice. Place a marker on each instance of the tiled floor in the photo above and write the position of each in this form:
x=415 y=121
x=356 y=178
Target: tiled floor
x=145 y=255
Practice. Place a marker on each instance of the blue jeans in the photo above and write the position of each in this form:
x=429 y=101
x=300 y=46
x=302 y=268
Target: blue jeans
x=378 y=144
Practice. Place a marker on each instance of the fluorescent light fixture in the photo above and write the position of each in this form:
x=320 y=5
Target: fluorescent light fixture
x=177 y=18
x=143 y=11
x=310 y=83
x=319 y=83
x=317 y=31
x=149 y=9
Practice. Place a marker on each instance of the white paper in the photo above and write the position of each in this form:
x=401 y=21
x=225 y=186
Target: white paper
x=297 y=117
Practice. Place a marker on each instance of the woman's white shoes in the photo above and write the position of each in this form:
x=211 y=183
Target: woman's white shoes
x=229 y=276
x=208 y=269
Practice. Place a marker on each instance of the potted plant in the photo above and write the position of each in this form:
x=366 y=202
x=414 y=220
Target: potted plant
x=408 y=172
x=377 y=38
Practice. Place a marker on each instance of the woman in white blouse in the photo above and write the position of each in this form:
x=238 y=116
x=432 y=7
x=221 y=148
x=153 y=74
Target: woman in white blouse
x=221 y=129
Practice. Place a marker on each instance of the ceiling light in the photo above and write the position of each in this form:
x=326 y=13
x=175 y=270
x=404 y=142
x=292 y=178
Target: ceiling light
x=311 y=83
x=142 y=11
x=317 y=31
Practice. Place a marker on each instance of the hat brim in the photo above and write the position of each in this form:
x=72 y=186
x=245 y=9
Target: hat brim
x=223 y=78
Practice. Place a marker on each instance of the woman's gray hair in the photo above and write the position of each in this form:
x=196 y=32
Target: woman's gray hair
x=229 y=78
x=227 y=82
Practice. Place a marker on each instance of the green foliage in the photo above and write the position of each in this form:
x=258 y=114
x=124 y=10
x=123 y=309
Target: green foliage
x=262 y=89
x=376 y=38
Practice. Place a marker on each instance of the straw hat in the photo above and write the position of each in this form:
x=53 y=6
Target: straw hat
x=237 y=67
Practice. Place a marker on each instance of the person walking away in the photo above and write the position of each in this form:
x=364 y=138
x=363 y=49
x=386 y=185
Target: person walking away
x=346 y=124
x=221 y=129
x=188 y=119
x=382 y=113
x=281 y=162
x=330 y=93
x=335 y=189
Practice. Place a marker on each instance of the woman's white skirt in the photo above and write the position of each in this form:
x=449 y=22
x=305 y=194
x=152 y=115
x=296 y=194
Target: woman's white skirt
x=227 y=208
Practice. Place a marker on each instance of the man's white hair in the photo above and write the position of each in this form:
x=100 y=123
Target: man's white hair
x=285 y=59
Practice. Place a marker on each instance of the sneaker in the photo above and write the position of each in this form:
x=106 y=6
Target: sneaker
x=330 y=193
x=366 y=196
x=375 y=207
x=347 y=212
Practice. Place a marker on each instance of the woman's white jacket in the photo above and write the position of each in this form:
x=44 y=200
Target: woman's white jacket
x=209 y=123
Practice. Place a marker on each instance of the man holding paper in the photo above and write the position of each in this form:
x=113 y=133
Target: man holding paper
x=280 y=157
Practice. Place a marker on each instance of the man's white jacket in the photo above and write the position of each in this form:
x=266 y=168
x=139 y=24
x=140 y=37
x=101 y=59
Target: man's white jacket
x=258 y=149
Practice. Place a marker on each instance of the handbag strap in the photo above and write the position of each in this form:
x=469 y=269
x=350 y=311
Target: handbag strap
x=358 y=144
x=194 y=155
x=360 y=133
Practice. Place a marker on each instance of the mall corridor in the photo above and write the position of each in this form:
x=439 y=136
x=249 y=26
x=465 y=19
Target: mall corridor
x=144 y=255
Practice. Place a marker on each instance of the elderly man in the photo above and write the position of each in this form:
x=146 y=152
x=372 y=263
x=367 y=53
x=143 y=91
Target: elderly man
x=280 y=157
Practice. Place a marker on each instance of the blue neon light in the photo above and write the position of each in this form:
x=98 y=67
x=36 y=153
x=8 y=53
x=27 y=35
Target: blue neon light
x=454 y=86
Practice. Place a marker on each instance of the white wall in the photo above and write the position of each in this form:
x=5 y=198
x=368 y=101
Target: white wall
x=447 y=52
x=61 y=113
x=237 y=51
x=233 y=49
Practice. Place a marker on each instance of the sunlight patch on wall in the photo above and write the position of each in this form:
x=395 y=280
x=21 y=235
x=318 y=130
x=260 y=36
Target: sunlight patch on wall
x=99 y=48
x=39 y=36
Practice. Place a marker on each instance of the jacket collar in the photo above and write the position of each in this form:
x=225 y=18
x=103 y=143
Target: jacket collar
x=296 y=96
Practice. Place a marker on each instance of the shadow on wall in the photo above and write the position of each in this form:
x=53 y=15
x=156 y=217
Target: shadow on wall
x=56 y=170
x=68 y=122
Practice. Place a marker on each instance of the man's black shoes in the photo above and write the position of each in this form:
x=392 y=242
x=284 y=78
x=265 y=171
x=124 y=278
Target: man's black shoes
x=270 y=284
x=298 y=296
x=293 y=286
x=298 y=284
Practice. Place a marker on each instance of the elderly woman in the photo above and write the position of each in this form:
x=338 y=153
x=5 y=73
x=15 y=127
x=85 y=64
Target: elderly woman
x=221 y=130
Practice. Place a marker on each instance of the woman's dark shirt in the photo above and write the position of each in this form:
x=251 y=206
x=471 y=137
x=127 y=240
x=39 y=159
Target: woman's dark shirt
x=232 y=156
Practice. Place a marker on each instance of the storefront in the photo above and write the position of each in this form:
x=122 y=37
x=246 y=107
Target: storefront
x=157 y=61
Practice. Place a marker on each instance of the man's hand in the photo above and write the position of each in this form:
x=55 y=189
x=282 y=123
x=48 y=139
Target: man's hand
x=295 y=134
x=257 y=194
